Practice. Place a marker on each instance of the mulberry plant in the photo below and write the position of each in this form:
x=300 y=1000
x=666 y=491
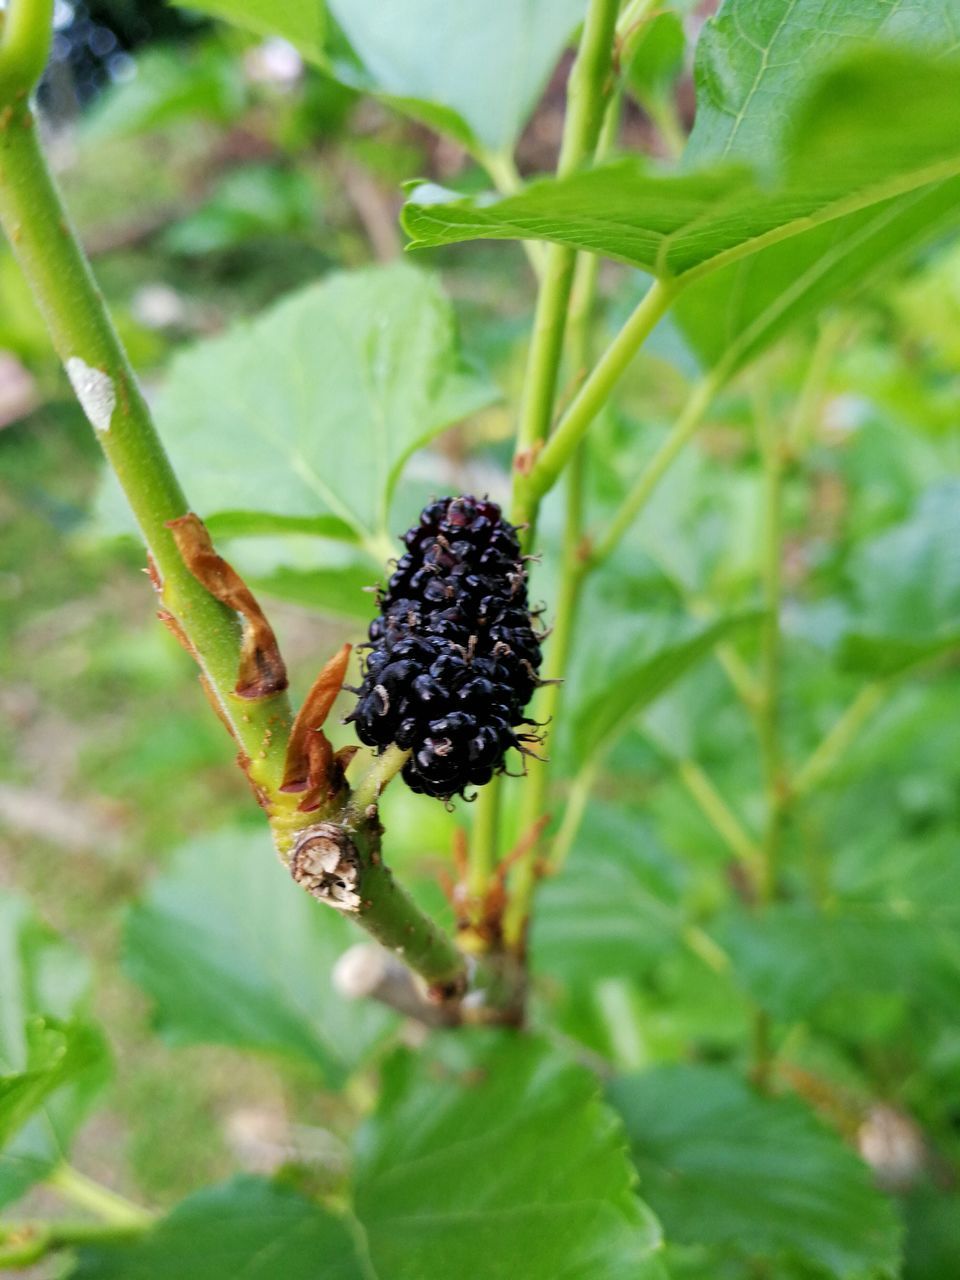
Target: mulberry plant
x=454 y=656
x=801 y=172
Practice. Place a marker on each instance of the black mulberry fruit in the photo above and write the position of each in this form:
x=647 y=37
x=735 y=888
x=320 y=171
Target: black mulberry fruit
x=453 y=655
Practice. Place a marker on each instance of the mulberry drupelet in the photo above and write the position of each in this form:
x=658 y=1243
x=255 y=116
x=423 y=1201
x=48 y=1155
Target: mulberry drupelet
x=453 y=656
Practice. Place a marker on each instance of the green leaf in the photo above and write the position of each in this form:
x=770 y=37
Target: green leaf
x=793 y=959
x=845 y=153
x=907 y=584
x=233 y=952
x=933 y=1233
x=170 y=84
x=856 y=185
x=475 y=69
x=485 y=63
x=490 y=1157
x=761 y=1176
x=320 y=574
x=754 y=65
x=883 y=656
x=245 y=1227
x=656 y=57
x=53 y=1063
x=255 y=201
x=732 y=315
x=908 y=577
x=310 y=411
x=601 y=717
x=302 y=22
x=57 y=1053
x=613 y=907
x=342 y=592
x=754 y=62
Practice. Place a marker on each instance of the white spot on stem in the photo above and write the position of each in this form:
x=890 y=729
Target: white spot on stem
x=95 y=391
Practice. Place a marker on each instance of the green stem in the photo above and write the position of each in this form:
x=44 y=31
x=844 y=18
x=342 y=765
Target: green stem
x=22 y=1244
x=662 y=110
x=593 y=395
x=771 y=747
x=744 y=683
x=25 y=34
x=394 y=919
x=682 y=430
x=586 y=90
x=767 y=884
x=840 y=738
x=534 y=798
x=719 y=814
x=742 y=680
x=546 y=706
x=804 y=419
x=37 y=226
x=373 y=783
x=87 y=1194
x=578 y=796
x=482 y=857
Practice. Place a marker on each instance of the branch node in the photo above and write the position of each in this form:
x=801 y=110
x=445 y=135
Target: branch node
x=325 y=863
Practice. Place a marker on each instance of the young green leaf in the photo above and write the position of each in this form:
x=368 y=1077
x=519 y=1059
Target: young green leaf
x=233 y=952
x=656 y=56
x=761 y=1176
x=489 y=1156
x=57 y=1054
x=53 y=1064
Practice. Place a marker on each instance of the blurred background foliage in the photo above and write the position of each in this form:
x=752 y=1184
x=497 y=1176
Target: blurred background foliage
x=211 y=172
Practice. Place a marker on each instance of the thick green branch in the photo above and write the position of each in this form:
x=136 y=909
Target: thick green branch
x=38 y=228
x=36 y=223
x=340 y=863
x=25 y=34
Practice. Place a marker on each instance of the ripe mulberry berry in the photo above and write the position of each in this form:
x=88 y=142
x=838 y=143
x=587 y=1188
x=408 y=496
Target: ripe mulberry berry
x=453 y=655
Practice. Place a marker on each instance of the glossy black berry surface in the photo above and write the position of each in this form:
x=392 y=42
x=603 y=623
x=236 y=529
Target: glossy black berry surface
x=453 y=655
